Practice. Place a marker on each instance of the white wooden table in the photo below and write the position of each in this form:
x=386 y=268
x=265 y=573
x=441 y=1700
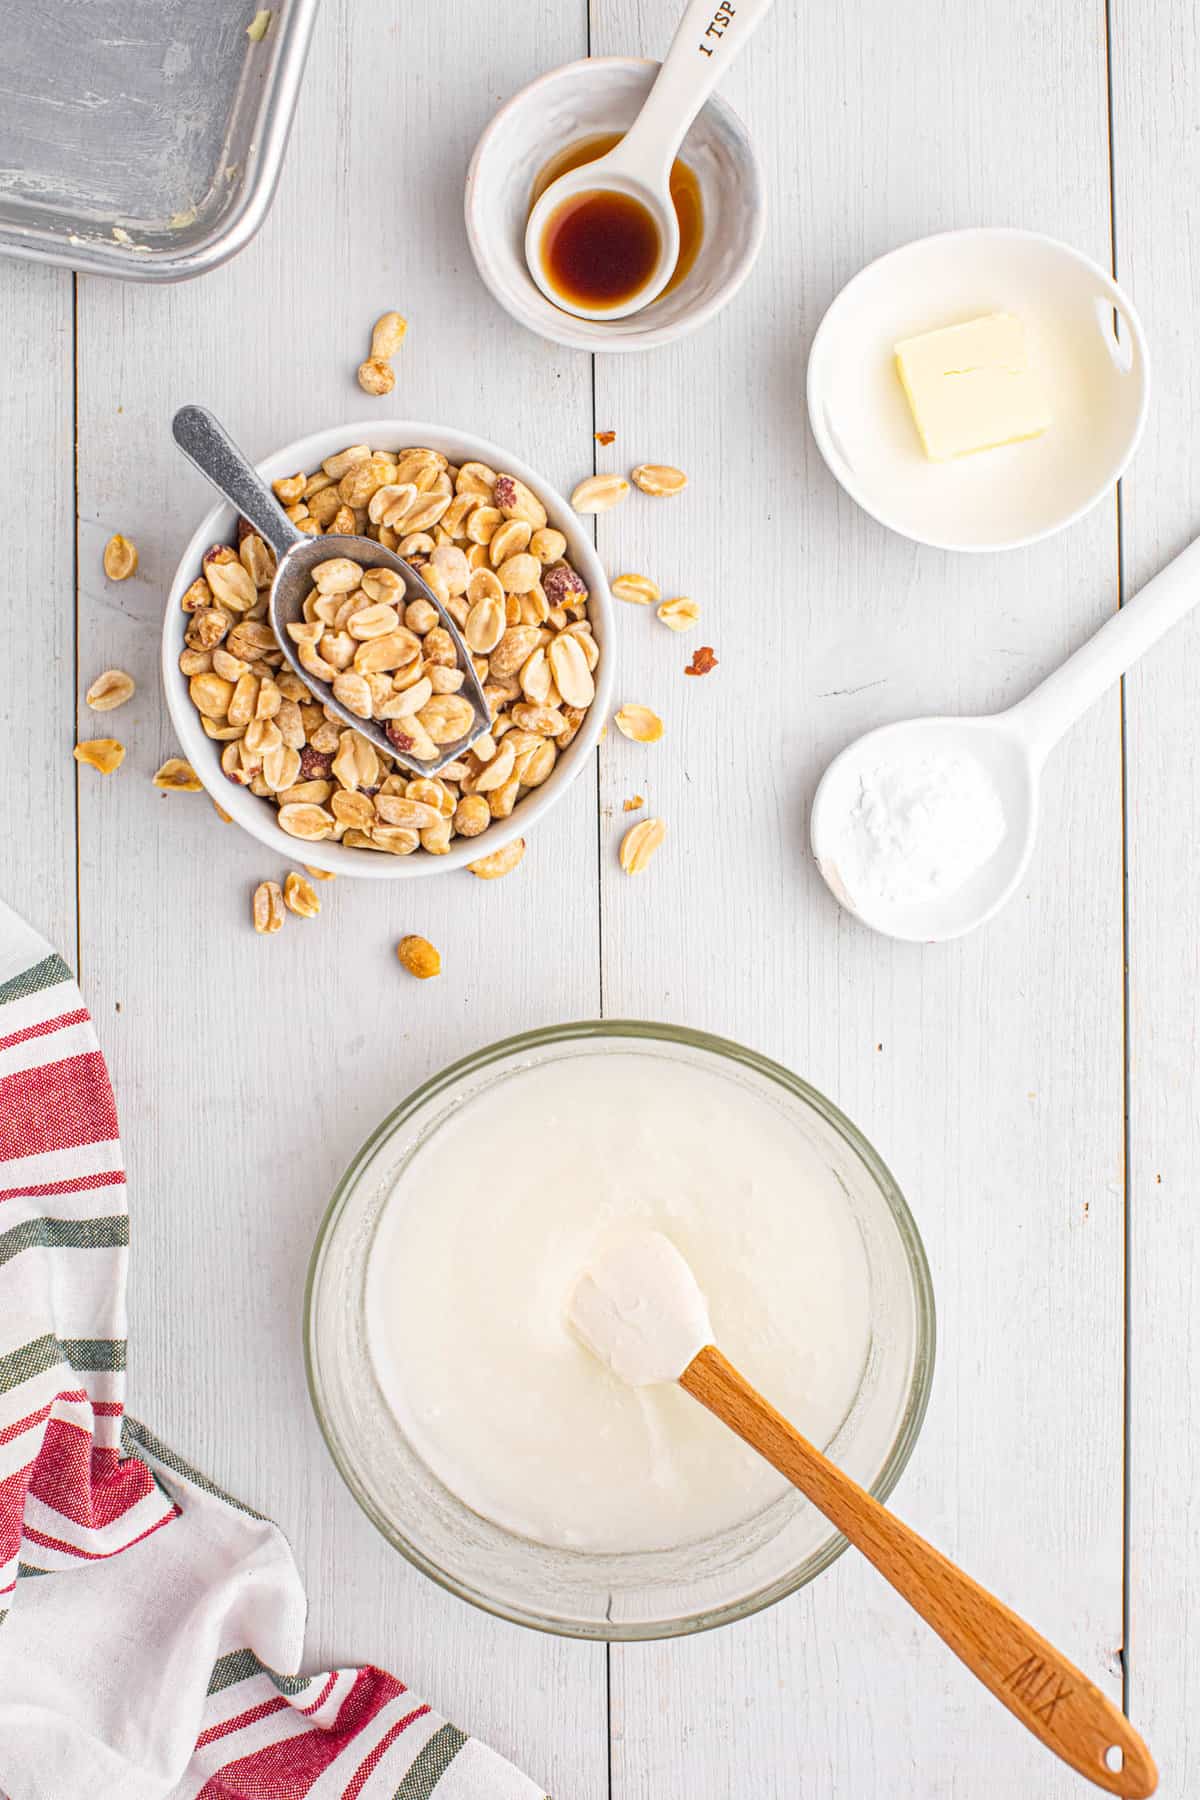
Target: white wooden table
x=1033 y=1088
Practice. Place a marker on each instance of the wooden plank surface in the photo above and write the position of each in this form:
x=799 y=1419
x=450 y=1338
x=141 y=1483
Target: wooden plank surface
x=37 y=813
x=248 y=1070
x=1156 y=71
x=988 y=1073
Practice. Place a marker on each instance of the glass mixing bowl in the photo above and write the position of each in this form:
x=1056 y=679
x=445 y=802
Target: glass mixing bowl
x=648 y=1594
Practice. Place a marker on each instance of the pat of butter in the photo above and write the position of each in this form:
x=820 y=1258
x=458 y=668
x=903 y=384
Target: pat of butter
x=970 y=386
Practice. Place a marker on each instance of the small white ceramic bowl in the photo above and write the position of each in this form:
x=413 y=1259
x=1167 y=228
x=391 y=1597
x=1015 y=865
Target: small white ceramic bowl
x=258 y=816
x=580 y=100
x=1097 y=380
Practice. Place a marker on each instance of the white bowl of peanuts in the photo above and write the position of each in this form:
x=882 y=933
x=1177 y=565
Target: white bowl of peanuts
x=301 y=782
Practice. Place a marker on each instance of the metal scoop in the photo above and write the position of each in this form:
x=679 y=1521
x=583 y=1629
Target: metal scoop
x=206 y=443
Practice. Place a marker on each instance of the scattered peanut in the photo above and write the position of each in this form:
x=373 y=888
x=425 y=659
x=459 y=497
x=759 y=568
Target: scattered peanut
x=605 y=437
x=500 y=862
x=658 y=478
x=419 y=957
x=680 y=614
x=639 y=723
x=387 y=335
x=110 y=690
x=225 y=818
x=266 y=908
x=179 y=775
x=639 y=844
x=319 y=874
x=300 y=897
x=256 y=30
x=703 y=661
x=638 y=590
x=105 y=754
x=120 y=558
x=376 y=376
x=635 y=803
x=597 y=493
x=482 y=539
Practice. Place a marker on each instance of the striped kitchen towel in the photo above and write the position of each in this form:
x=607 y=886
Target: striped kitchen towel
x=150 y=1627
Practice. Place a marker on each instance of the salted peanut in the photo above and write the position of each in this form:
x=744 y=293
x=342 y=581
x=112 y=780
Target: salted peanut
x=178 y=775
x=353 y=809
x=414 y=815
x=446 y=681
x=574 y=715
x=375 y=376
x=514 y=648
x=357 y=762
x=484 y=584
x=383 y=586
x=437 y=646
x=266 y=908
x=508 y=540
x=230 y=668
x=500 y=862
x=299 y=896
x=639 y=844
x=308 y=527
x=387 y=334
x=110 y=690
x=210 y=695
x=306 y=821
x=451 y=564
x=316 y=484
x=351 y=689
x=518 y=574
x=499 y=770
x=546 y=721
x=435 y=839
x=679 y=614
x=484 y=523
x=501 y=800
x=598 y=493
x=344 y=522
x=536 y=678
x=337 y=648
x=411 y=738
x=341 y=464
x=281 y=768
x=408 y=700
x=221 y=734
x=269 y=701
x=319 y=874
x=582 y=632
x=475 y=478
x=420 y=464
x=251 y=639
x=198 y=662
x=658 y=478
x=454 y=519
x=206 y=629
x=232 y=766
x=637 y=590
x=120 y=558
x=394 y=650
x=196 y=596
x=534 y=765
x=373 y=621
x=572 y=676
x=289 y=488
x=314 y=663
x=105 y=754
x=337 y=576
x=231 y=582
x=447 y=717
x=365 y=479
x=326 y=737
x=262 y=735
x=291 y=724
x=258 y=560
x=419 y=957
x=325 y=506
x=390 y=505
x=472 y=815
x=485 y=624
x=547 y=545
x=516 y=501
x=639 y=723
x=243 y=700
x=306 y=793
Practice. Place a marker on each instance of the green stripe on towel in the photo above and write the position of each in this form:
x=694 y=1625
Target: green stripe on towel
x=64 y=1234
x=31 y=981
x=431 y=1763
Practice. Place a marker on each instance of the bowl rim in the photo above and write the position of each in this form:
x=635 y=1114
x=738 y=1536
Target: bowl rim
x=580 y=334
x=1012 y=233
x=257 y=818
x=925 y=1347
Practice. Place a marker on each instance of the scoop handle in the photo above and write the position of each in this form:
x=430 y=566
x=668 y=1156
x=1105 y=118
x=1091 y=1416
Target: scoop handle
x=1050 y=1696
x=707 y=39
x=1053 y=707
x=206 y=443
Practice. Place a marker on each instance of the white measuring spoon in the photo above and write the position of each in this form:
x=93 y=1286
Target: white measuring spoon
x=1012 y=746
x=709 y=36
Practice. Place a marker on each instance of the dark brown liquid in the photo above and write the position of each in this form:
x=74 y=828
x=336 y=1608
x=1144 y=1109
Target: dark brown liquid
x=685 y=192
x=600 y=248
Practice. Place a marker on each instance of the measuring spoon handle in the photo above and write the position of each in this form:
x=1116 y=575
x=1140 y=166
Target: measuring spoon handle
x=1050 y=1696
x=205 y=442
x=707 y=39
x=1053 y=707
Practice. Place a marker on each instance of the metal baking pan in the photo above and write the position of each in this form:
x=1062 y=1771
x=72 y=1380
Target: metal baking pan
x=143 y=138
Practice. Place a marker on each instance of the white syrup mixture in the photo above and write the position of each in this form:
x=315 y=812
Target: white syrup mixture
x=480 y=1252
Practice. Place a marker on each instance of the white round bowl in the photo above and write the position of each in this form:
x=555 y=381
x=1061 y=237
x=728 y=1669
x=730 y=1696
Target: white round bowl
x=580 y=100
x=1097 y=380
x=258 y=816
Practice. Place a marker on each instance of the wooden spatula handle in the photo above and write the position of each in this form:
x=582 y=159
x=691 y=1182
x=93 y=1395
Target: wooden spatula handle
x=1038 y=1685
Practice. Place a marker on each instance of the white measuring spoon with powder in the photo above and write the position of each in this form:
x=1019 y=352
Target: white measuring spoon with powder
x=639 y=1309
x=923 y=829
